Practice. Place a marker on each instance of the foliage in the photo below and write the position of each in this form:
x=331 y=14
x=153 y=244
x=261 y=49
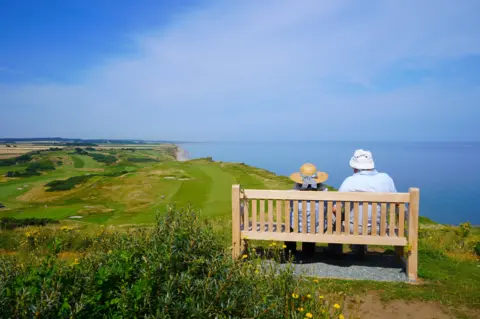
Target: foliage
x=43 y=165
x=27 y=173
x=89 y=149
x=80 y=151
x=141 y=159
x=12 y=223
x=107 y=159
x=16 y=160
x=177 y=269
x=477 y=248
x=67 y=184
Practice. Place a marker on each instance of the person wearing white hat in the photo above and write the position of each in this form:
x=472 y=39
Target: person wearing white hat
x=365 y=178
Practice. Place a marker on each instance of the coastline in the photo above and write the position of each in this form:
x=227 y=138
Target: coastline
x=182 y=155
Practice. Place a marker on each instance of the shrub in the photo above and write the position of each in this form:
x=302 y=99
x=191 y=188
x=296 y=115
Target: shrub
x=22 y=174
x=80 y=151
x=67 y=184
x=477 y=248
x=178 y=269
x=141 y=160
x=107 y=159
x=43 y=165
x=17 y=160
x=12 y=223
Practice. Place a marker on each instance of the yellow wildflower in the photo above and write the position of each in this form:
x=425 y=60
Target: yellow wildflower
x=336 y=306
x=315 y=281
x=340 y=316
x=300 y=309
x=294 y=296
x=244 y=256
x=309 y=315
x=109 y=251
x=284 y=246
x=309 y=296
x=256 y=271
x=320 y=297
x=75 y=262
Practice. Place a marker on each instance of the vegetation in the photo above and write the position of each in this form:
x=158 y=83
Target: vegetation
x=15 y=161
x=12 y=223
x=176 y=269
x=27 y=173
x=43 y=165
x=67 y=184
x=107 y=159
x=141 y=159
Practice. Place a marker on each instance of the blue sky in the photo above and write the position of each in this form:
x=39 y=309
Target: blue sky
x=241 y=70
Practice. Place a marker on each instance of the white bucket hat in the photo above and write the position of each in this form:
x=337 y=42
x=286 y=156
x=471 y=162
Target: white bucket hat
x=362 y=160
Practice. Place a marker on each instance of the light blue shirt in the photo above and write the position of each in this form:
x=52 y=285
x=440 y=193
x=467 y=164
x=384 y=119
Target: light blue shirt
x=368 y=181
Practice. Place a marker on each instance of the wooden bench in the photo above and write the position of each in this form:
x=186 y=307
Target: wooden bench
x=265 y=215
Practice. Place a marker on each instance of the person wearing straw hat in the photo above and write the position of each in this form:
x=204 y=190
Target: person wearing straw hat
x=365 y=178
x=307 y=179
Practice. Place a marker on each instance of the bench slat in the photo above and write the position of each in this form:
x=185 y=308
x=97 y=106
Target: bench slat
x=317 y=238
x=374 y=218
x=364 y=218
x=383 y=219
x=287 y=216
x=321 y=208
x=401 y=220
x=262 y=215
x=392 y=220
x=355 y=218
x=327 y=196
x=295 y=216
x=313 y=217
x=329 y=217
x=254 y=211
x=338 y=227
x=279 y=214
x=245 y=212
x=304 y=217
x=270 y=215
x=347 y=218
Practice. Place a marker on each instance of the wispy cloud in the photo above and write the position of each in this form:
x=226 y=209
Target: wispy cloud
x=270 y=70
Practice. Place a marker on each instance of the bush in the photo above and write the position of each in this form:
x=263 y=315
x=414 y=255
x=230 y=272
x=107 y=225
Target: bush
x=477 y=248
x=178 y=269
x=107 y=159
x=141 y=160
x=80 y=151
x=12 y=223
x=22 y=174
x=43 y=165
x=67 y=184
x=17 y=160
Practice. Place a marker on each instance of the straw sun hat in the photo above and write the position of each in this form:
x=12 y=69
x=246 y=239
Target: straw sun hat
x=308 y=172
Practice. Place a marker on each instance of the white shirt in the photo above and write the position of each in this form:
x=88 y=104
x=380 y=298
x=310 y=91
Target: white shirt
x=368 y=181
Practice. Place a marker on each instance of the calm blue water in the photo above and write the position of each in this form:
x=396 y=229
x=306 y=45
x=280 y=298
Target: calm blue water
x=446 y=173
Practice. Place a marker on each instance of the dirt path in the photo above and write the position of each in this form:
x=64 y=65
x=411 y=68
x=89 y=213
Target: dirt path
x=372 y=307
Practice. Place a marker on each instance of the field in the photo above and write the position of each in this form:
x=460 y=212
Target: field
x=119 y=202
x=145 y=181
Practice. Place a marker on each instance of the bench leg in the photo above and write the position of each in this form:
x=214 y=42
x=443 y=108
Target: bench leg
x=412 y=264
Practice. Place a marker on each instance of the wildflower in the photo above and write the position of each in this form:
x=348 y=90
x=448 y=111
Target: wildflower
x=244 y=256
x=284 y=246
x=300 y=309
x=294 y=296
x=256 y=271
x=340 y=316
x=320 y=297
x=309 y=315
x=109 y=251
x=336 y=306
x=75 y=262
x=309 y=296
x=315 y=281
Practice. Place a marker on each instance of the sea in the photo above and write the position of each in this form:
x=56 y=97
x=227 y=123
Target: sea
x=447 y=173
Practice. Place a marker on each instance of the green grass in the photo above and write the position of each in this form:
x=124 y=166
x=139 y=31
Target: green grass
x=77 y=161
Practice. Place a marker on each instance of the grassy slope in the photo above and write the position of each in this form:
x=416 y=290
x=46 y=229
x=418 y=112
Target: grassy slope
x=451 y=274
